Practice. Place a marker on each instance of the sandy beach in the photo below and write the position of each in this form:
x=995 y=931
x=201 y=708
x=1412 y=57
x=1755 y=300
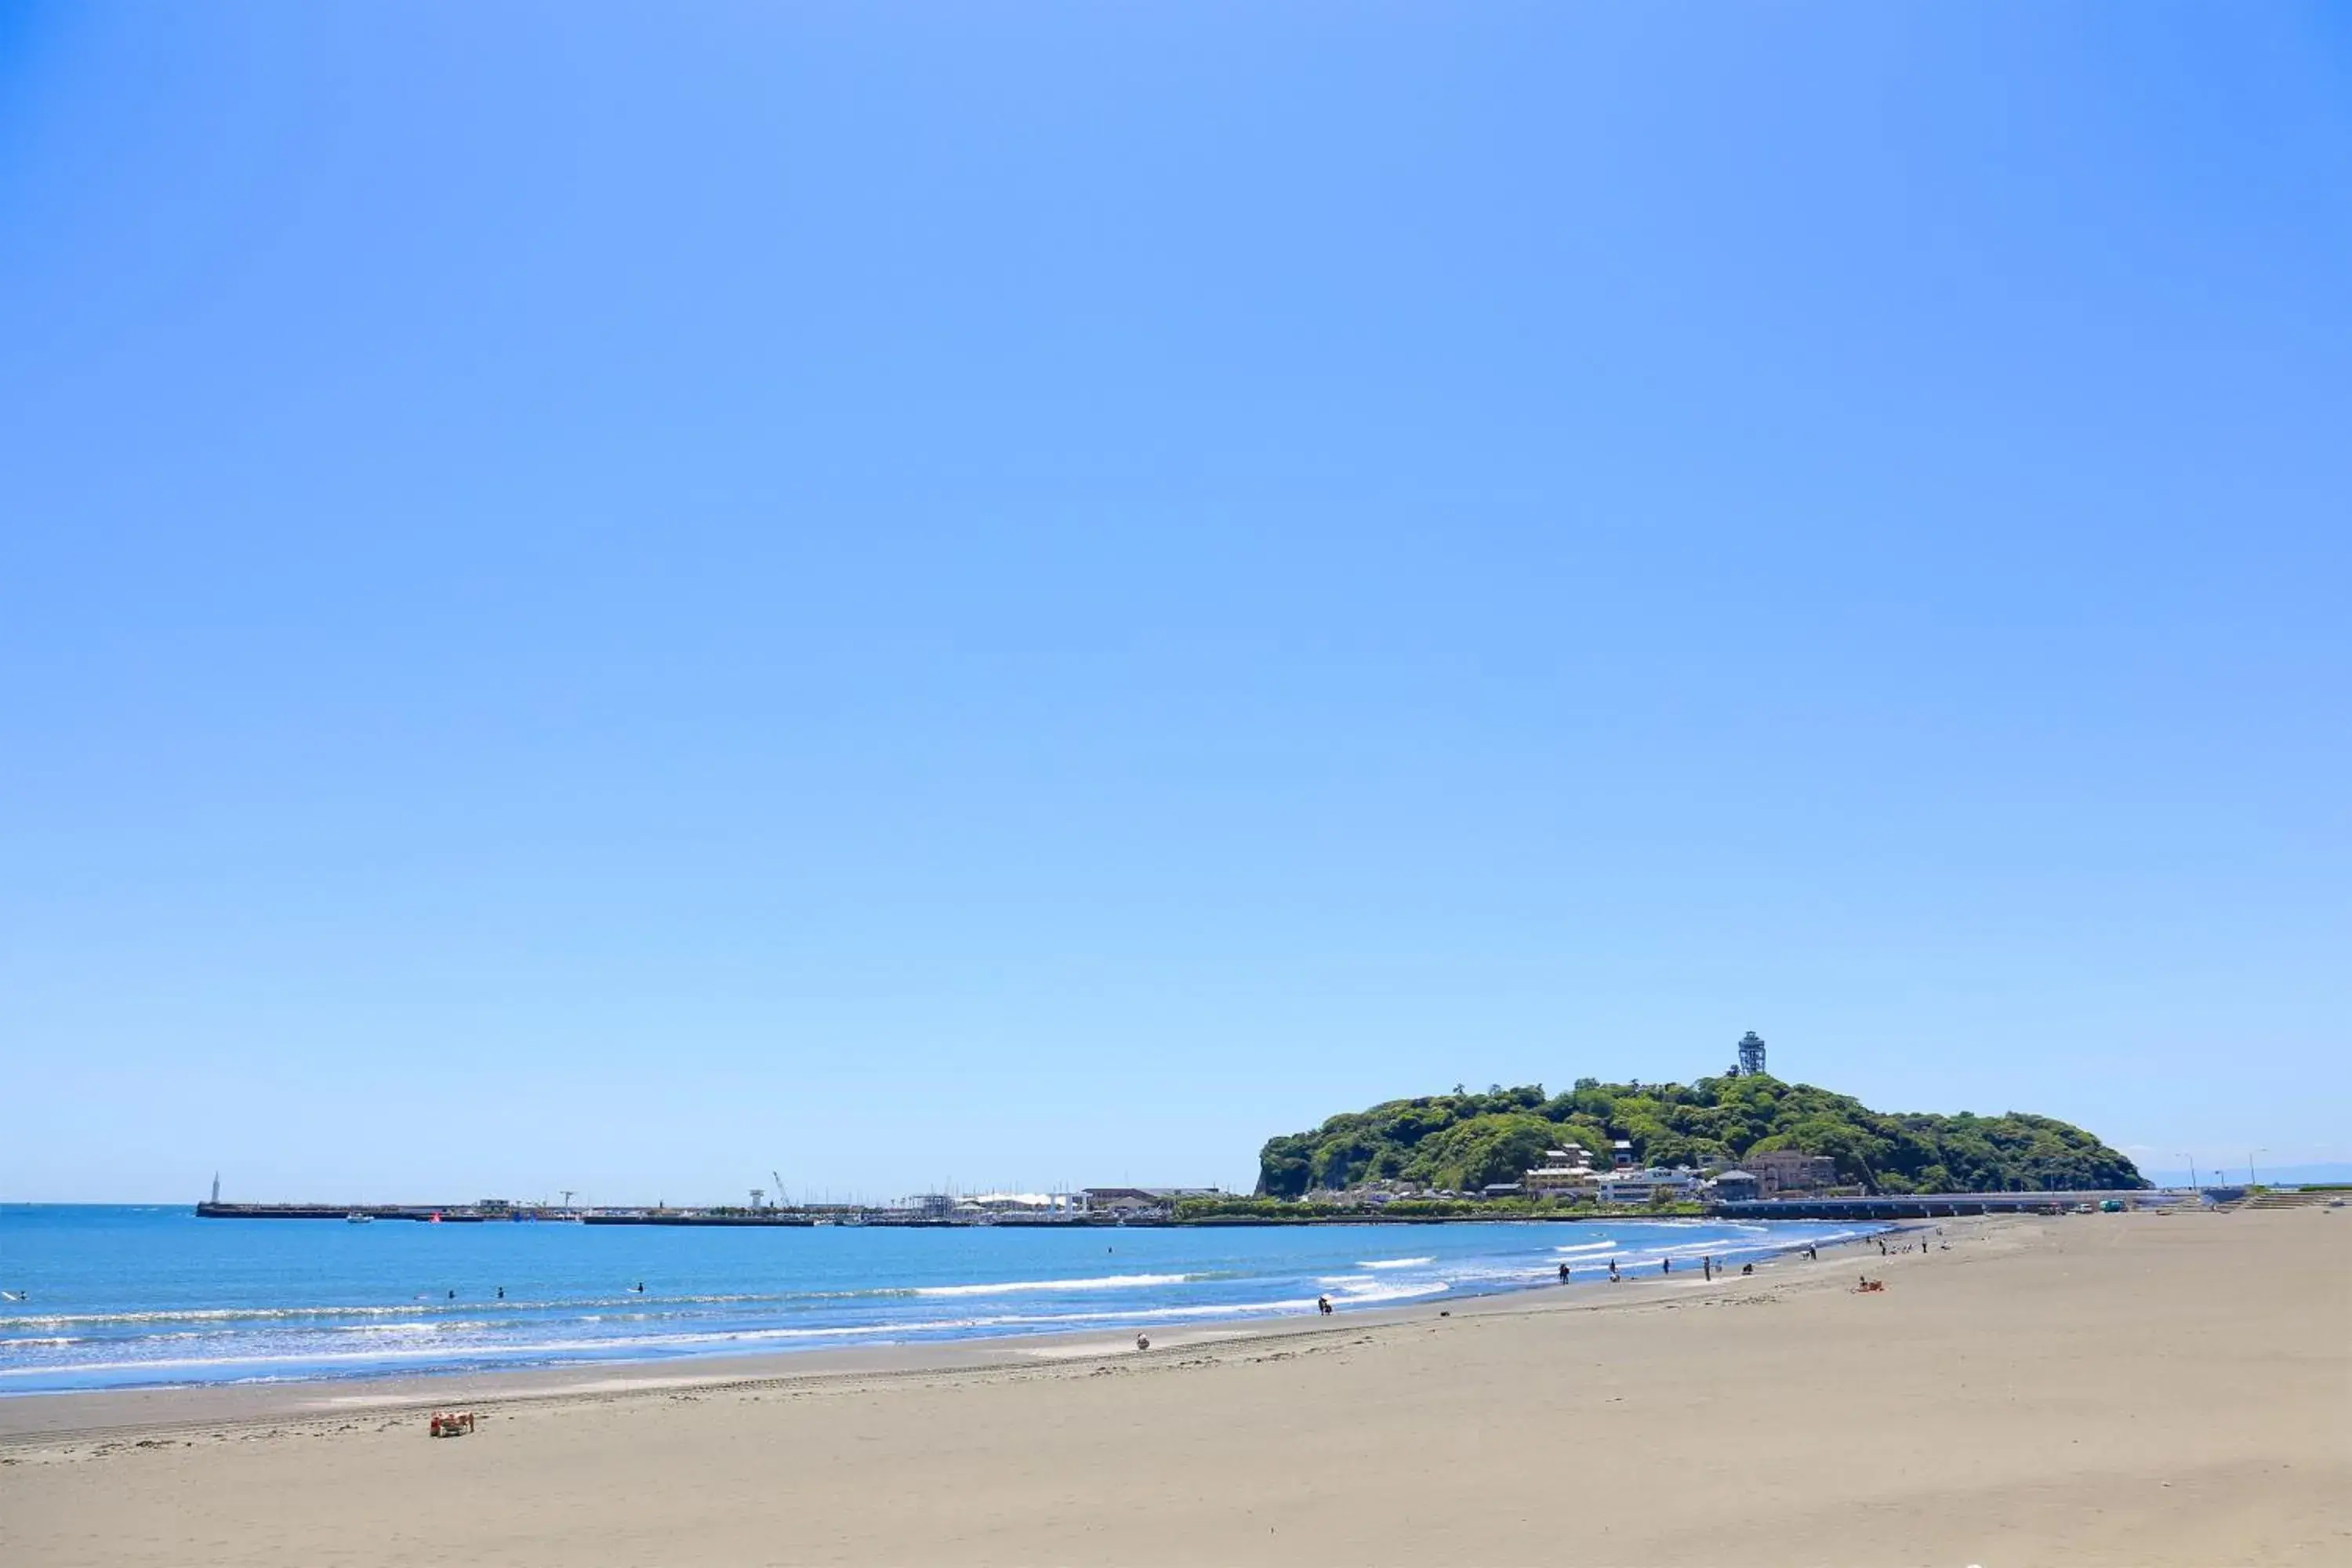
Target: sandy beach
x=2126 y=1389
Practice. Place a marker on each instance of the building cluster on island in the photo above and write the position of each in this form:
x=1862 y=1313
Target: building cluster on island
x=1570 y=1174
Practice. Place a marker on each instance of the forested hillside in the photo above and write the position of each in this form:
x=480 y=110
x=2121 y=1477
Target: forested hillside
x=1463 y=1140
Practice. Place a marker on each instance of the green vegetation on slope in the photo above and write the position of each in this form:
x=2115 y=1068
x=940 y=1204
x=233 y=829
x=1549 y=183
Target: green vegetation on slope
x=1461 y=1142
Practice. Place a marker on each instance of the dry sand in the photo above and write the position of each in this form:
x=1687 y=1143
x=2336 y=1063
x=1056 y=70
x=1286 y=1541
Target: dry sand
x=2121 y=1389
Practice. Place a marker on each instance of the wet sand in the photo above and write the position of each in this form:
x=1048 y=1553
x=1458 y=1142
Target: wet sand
x=2125 y=1389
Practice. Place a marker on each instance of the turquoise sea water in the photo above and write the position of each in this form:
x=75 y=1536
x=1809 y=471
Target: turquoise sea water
x=122 y=1296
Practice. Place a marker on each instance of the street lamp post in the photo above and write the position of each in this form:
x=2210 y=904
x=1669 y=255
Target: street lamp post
x=2250 y=1164
x=2192 y=1170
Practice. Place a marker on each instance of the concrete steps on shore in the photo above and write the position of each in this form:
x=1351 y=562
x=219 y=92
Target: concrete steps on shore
x=2293 y=1199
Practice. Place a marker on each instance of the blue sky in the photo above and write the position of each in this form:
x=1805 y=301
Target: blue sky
x=620 y=597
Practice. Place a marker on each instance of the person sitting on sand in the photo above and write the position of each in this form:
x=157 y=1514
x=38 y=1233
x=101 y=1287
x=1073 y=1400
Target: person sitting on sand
x=1748 y=1268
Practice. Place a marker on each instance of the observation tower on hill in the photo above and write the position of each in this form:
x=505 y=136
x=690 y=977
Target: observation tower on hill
x=1752 y=1054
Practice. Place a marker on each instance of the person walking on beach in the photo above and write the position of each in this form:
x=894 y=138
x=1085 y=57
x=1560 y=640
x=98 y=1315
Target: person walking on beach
x=1563 y=1273
x=1613 y=1272
x=1323 y=1305
x=1665 y=1266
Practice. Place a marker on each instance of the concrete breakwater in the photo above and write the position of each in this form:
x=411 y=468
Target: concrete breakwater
x=503 y=1213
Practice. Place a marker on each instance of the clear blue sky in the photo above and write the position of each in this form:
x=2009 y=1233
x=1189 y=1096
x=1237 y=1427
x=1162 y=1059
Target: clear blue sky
x=617 y=596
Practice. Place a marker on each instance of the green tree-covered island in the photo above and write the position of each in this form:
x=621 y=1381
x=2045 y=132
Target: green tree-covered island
x=1463 y=1142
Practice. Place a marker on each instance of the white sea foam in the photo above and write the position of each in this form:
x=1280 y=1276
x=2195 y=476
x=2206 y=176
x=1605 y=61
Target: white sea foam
x=1394 y=1262
x=1394 y=1293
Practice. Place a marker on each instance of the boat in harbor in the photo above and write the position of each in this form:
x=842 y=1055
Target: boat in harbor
x=355 y=1217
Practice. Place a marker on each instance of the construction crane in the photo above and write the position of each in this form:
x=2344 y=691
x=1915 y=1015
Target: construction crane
x=567 y=1197
x=780 y=1188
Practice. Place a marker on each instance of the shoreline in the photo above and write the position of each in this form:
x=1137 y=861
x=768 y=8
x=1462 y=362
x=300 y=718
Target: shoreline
x=2136 y=1391
x=43 y=1417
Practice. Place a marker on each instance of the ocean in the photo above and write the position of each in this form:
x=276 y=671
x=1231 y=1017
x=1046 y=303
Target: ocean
x=119 y=1297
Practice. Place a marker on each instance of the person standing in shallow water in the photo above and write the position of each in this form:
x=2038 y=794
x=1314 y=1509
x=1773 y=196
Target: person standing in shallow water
x=1563 y=1273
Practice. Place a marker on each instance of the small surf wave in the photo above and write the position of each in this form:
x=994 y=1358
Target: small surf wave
x=1371 y=1295
x=1100 y=1283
